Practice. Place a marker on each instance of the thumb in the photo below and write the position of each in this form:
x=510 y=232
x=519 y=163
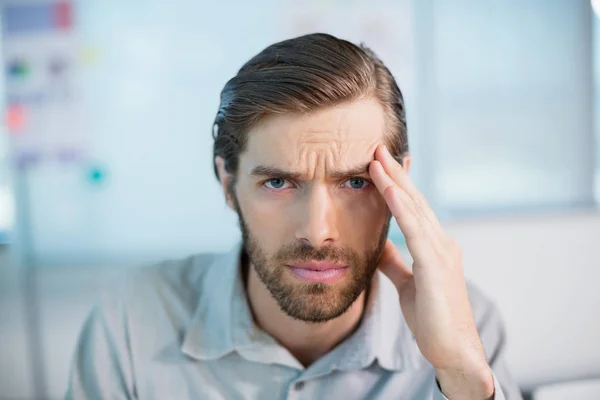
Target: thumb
x=393 y=265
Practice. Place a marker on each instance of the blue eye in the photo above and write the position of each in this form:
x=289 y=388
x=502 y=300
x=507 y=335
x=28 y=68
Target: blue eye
x=275 y=183
x=356 y=183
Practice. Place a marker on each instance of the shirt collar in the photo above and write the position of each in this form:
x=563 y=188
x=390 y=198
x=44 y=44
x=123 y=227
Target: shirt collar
x=223 y=323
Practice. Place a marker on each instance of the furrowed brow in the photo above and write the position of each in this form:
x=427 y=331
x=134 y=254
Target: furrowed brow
x=266 y=171
x=357 y=171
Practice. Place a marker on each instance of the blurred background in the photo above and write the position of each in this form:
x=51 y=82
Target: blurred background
x=105 y=156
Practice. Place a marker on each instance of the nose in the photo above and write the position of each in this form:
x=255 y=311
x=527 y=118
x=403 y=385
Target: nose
x=317 y=219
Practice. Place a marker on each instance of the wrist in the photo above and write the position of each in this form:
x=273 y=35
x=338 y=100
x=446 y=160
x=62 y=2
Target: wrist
x=467 y=383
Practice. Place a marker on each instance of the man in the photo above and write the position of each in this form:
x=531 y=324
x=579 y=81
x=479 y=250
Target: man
x=311 y=151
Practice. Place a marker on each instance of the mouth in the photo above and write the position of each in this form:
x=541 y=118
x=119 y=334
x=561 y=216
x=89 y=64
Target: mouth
x=318 y=271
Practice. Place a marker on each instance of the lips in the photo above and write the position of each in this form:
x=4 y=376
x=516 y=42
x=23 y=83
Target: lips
x=318 y=271
x=318 y=265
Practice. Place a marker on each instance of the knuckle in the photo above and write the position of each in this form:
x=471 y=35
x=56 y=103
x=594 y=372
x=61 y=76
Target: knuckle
x=389 y=192
x=420 y=210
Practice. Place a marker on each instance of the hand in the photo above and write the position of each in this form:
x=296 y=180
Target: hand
x=433 y=296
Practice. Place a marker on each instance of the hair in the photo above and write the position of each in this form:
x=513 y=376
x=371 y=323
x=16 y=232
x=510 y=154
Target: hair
x=301 y=75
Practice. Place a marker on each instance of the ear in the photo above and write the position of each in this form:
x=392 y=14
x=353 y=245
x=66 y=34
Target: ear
x=406 y=160
x=225 y=179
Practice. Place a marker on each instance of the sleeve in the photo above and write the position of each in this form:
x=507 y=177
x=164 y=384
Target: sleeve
x=102 y=366
x=493 y=336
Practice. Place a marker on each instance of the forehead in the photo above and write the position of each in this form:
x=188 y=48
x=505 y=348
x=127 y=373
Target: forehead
x=346 y=134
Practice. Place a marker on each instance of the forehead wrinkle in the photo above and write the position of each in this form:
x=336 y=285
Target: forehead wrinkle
x=321 y=159
x=308 y=160
x=321 y=136
x=324 y=162
x=331 y=140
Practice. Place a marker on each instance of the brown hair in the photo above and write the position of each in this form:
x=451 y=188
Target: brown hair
x=298 y=76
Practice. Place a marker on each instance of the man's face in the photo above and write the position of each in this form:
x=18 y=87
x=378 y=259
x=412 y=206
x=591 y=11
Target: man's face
x=313 y=223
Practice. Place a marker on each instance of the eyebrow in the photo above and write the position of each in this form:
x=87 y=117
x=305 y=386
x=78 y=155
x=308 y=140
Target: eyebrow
x=263 y=170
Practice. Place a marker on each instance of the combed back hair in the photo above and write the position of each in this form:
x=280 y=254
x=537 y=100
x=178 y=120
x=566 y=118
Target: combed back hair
x=300 y=75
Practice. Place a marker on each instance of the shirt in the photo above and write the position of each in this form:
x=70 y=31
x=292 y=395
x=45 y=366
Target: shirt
x=184 y=329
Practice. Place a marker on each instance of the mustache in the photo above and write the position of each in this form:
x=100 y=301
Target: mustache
x=303 y=252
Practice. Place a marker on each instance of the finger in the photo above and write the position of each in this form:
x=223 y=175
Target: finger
x=393 y=265
x=422 y=238
x=395 y=268
x=400 y=204
x=400 y=177
x=396 y=198
x=396 y=171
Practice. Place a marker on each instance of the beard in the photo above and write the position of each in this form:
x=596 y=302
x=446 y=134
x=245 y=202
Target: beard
x=313 y=302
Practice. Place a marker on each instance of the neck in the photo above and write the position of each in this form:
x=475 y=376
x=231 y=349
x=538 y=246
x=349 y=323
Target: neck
x=306 y=341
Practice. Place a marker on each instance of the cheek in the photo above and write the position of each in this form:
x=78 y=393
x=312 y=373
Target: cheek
x=364 y=215
x=265 y=216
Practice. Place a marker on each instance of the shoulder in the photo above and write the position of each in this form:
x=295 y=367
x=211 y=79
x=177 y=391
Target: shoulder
x=179 y=278
x=151 y=307
x=176 y=275
x=163 y=292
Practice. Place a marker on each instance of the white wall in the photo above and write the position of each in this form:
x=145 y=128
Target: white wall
x=510 y=106
x=544 y=274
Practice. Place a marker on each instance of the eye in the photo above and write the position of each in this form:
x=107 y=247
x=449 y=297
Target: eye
x=356 y=183
x=275 y=183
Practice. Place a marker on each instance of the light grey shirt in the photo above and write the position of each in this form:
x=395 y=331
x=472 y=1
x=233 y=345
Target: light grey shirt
x=184 y=330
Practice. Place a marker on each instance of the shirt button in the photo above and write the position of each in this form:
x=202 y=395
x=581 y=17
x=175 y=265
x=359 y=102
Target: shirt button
x=299 y=385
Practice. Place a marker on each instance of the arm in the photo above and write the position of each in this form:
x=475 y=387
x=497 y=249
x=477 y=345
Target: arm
x=493 y=336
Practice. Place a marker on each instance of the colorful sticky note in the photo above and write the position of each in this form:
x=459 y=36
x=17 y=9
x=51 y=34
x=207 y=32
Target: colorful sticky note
x=96 y=174
x=16 y=118
x=18 y=69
